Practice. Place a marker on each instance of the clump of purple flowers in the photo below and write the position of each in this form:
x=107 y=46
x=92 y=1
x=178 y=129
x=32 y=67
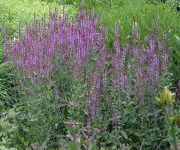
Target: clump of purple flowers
x=139 y=66
x=81 y=45
x=43 y=43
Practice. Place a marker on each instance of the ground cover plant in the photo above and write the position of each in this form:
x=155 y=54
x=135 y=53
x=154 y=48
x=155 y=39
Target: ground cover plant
x=80 y=85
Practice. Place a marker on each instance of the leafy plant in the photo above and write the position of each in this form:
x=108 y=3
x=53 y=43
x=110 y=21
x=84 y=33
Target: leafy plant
x=166 y=101
x=149 y=16
x=82 y=85
x=10 y=17
x=52 y=57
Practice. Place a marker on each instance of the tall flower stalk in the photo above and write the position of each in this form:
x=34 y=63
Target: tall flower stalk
x=82 y=46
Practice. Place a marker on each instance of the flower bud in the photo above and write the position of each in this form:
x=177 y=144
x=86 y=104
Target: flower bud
x=166 y=97
x=160 y=100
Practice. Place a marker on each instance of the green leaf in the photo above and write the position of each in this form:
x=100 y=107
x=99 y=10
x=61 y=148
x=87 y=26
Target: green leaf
x=73 y=146
x=124 y=134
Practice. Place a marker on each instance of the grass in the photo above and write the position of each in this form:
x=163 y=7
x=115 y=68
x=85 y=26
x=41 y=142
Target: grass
x=15 y=11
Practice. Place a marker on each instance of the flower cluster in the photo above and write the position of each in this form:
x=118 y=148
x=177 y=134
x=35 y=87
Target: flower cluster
x=81 y=44
x=166 y=97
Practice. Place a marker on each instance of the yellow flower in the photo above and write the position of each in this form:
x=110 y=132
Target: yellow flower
x=166 y=97
x=160 y=100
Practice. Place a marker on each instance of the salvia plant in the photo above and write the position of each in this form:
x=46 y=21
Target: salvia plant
x=54 y=43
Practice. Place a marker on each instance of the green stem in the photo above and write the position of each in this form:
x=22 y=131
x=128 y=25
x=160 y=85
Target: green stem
x=173 y=133
x=171 y=126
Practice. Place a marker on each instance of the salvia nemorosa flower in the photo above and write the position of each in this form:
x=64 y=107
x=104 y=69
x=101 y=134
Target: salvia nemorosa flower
x=81 y=44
